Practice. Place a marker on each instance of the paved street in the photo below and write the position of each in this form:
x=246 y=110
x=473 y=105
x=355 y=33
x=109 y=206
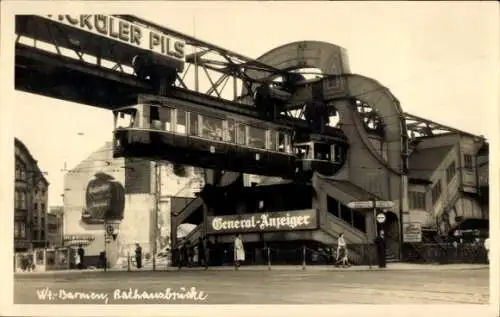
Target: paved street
x=285 y=286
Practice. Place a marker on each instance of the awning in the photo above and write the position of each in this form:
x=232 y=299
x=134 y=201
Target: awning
x=344 y=191
x=474 y=223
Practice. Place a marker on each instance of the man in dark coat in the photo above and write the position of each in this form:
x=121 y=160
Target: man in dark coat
x=188 y=253
x=380 y=243
x=203 y=252
x=138 y=255
x=81 y=254
x=179 y=254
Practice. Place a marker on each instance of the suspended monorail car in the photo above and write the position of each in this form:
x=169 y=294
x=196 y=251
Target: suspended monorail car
x=161 y=128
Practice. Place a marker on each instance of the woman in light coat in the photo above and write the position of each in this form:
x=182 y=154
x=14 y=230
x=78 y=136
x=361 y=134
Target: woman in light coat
x=487 y=247
x=239 y=251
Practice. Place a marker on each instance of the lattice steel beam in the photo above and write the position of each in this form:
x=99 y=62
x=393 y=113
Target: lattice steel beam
x=219 y=65
x=419 y=127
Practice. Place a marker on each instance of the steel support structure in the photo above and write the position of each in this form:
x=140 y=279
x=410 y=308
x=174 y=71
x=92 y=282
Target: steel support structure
x=420 y=127
x=213 y=76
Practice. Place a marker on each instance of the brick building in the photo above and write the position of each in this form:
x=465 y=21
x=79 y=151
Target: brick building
x=149 y=200
x=55 y=226
x=30 y=201
x=448 y=183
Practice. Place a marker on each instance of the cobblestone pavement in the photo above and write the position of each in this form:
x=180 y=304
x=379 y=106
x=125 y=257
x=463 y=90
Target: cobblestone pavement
x=328 y=286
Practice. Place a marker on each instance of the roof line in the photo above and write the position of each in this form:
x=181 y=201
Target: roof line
x=31 y=157
x=417 y=118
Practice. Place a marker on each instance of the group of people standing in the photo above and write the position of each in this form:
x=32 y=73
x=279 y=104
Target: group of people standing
x=186 y=254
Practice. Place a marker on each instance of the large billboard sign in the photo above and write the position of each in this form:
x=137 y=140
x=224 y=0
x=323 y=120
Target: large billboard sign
x=105 y=200
x=126 y=32
x=264 y=222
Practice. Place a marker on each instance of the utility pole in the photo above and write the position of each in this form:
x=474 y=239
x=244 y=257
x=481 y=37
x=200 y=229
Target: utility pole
x=374 y=208
x=157 y=169
x=105 y=245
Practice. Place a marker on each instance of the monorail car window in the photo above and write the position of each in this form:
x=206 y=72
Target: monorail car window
x=154 y=118
x=194 y=124
x=322 y=151
x=230 y=131
x=273 y=140
x=336 y=154
x=303 y=151
x=166 y=118
x=125 y=118
x=181 y=126
x=256 y=137
x=241 y=134
x=283 y=142
x=212 y=128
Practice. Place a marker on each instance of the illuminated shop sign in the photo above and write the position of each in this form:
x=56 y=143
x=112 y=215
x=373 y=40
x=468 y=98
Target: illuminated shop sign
x=262 y=222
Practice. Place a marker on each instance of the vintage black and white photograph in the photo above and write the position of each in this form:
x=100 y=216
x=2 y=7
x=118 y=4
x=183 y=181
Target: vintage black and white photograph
x=249 y=153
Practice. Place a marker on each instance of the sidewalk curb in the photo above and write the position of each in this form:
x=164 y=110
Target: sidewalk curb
x=397 y=267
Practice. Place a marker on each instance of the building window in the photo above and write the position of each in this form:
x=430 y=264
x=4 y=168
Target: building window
x=416 y=200
x=19 y=229
x=451 y=171
x=436 y=191
x=468 y=161
x=20 y=199
x=42 y=208
x=20 y=172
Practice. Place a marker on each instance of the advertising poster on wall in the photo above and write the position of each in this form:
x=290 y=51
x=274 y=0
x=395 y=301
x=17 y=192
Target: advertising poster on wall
x=104 y=200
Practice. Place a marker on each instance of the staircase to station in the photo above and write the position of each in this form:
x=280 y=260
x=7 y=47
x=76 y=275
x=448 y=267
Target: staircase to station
x=330 y=227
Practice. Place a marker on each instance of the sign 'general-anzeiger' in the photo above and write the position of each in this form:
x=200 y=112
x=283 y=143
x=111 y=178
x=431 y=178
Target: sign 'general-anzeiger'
x=272 y=221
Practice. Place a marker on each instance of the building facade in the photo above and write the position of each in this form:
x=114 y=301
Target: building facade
x=448 y=183
x=55 y=227
x=30 y=201
x=147 y=194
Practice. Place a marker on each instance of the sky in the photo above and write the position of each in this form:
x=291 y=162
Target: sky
x=439 y=59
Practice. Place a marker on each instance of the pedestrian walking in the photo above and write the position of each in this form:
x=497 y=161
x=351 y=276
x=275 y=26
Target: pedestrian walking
x=81 y=254
x=344 y=260
x=202 y=252
x=179 y=254
x=189 y=252
x=341 y=245
x=487 y=247
x=77 y=260
x=381 y=249
x=239 y=251
x=138 y=255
